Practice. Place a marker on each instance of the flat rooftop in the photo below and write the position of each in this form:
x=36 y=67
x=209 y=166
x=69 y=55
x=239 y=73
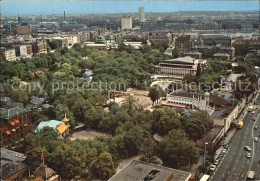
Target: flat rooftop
x=138 y=171
x=11 y=163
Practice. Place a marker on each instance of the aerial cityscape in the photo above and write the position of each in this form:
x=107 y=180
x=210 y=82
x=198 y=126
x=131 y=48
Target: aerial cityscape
x=120 y=90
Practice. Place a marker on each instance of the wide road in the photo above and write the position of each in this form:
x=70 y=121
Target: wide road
x=234 y=164
x=256 y=133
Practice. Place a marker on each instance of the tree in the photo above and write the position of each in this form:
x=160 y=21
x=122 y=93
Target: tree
x=146 y=48
x=176 y=53
x=195 y=129
x=103 y=166
x=54 y=45
x=130 y=49
x=48 y=134
x=177 y=151
x=61 y=110
x=198 y=73
x=154 y=94
x=148 y=148
x=164 y=120
x=122 y=47
x=19 y=96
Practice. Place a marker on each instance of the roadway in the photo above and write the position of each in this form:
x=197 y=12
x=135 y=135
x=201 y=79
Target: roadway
x=234 y=165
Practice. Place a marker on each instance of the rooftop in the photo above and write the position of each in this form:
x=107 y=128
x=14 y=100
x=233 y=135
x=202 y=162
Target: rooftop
x=214 y=36
x=193 y=53
x=221 y=55
x=10 y=113
x=11 y=163
x=139 y=171
x=36 y=100
x=210 y=136
x=51 y=123
x=180 y=60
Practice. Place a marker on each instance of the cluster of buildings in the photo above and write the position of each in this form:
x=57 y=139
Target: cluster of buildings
x=223 y=47
x=15 y=120
x=14 y=167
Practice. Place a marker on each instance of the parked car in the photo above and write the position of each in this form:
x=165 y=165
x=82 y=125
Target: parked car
x=247 y=148
x=254 y=119
x=255 y=127
x=212 y=167
x=216 y=162
x=256 y=139
x=248 y=155
x=224 y=151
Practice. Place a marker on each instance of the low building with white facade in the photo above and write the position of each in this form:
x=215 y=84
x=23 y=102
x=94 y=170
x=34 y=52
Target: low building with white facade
x=191 y=99
x=178 y=67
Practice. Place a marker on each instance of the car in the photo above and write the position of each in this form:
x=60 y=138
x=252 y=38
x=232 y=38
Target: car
x=254 y=119
x=256 y=139
x=255 y=127
x=247 y=148
x=224 y=151
x=248 y=155
x=216 y=162
x=253 y=112
x=226 y=146
x=212 y=167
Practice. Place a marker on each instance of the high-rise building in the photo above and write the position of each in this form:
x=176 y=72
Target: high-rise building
x=126 y=23
x=141 y=14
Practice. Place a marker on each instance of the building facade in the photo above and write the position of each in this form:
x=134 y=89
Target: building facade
x=39 y=47
x=215 y=39
x=192 y=100
x=9 y=54
x=15 y=124
x=141 y=14
x=179 y=67
x=126 y=23
x=182 y=43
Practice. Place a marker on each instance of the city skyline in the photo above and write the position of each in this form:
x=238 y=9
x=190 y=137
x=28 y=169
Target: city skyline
x=46 y=7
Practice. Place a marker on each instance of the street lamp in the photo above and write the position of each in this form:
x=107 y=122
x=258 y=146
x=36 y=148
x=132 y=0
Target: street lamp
x=205 y=152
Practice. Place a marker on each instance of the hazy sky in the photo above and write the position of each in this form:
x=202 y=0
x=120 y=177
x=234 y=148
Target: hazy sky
x=28 y=7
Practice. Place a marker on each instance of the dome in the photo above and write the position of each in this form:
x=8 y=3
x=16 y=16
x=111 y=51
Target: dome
x=44 y=172
x=206 y=94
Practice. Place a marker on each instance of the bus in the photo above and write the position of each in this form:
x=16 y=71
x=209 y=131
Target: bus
x=204 y=178
x=250 y=175
x=240 y=124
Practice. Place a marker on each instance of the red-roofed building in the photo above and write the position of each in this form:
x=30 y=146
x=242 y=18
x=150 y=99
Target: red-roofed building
x=23 y=30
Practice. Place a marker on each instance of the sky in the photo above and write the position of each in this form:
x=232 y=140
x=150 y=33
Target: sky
x=46 y=7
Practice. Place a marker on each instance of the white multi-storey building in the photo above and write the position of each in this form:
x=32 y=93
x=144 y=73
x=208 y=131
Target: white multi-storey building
x=178 y=67
x=126 y=23
x=9 y=54
x=141 y=14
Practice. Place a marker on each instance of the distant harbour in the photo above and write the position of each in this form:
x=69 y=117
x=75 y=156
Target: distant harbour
x=47 y=7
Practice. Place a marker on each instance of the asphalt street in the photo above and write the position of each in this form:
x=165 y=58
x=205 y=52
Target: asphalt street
x=234 y=165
